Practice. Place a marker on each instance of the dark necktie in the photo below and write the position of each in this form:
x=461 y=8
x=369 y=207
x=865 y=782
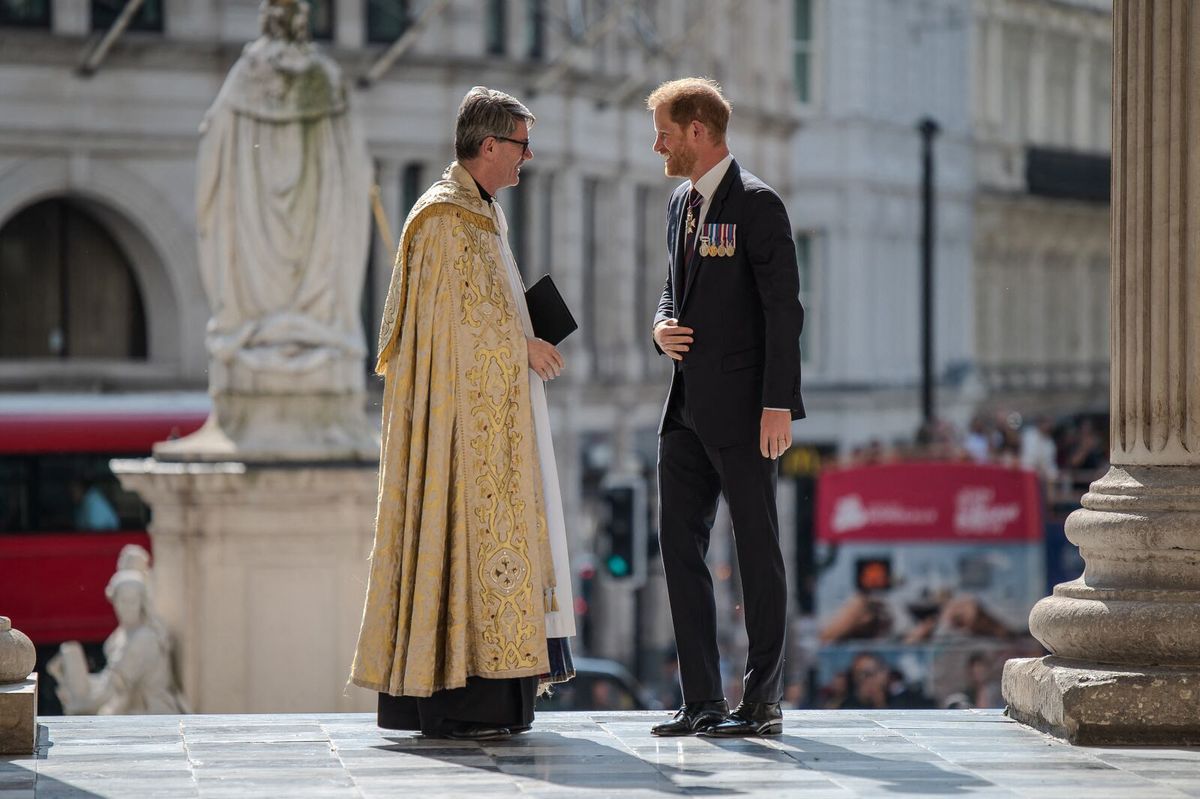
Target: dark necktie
x=691 y=233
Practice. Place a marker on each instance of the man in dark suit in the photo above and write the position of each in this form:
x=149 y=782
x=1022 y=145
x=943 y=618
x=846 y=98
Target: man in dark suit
x=730 y=320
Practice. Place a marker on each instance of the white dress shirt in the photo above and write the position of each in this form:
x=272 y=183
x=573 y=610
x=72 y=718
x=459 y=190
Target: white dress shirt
x=707 y=185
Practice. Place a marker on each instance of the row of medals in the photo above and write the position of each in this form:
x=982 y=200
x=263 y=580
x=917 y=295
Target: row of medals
x=708 y=250
x=715 y=250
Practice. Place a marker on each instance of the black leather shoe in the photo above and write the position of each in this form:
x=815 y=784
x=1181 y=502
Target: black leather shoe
x=476 y=732
x=750 y=718
x=692 y=718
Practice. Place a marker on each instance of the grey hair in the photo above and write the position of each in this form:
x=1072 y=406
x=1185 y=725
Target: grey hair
x=486 y=112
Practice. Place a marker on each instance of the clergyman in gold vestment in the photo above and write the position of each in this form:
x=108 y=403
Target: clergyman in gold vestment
x=464 y=614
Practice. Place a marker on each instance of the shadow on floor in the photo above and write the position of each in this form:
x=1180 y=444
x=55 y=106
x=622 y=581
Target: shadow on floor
x=895 y=774
x=20 y=778
x=615 y=769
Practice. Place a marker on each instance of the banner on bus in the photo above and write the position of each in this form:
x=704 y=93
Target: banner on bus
x=925 y=502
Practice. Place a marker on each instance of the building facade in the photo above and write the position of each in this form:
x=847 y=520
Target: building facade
x=1042 y=106
x=99 y=280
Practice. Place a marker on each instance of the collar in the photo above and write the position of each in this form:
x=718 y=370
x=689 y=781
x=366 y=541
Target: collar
x=710 y=180
x=462 y=176
x=483 y=192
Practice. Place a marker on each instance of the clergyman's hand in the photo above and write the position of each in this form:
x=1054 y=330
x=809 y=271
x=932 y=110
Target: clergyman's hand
x=545 y=359
x=775 y=433
x=673 y=339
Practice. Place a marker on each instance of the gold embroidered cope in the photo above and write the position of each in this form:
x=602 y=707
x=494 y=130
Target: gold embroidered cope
x=461 y=571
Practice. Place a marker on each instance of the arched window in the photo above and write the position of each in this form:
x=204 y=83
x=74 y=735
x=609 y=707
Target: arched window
x=66 y=288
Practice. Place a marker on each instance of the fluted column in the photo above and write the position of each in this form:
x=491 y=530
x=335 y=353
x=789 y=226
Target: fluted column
x=1125 y=636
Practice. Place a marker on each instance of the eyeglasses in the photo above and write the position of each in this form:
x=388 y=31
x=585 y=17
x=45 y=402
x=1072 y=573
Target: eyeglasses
x=524 y=144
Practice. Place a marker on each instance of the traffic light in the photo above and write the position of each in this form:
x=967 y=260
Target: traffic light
x=623 y=529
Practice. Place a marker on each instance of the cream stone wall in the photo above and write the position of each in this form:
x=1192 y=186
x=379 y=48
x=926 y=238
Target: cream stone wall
x=1041 y=77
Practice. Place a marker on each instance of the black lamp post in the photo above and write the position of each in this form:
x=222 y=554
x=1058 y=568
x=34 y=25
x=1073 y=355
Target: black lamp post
x=928 y=129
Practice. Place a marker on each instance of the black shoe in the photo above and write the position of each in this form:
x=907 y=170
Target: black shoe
x=750 y=718
x=692 y=718
x=523 y=728
x=475 y=732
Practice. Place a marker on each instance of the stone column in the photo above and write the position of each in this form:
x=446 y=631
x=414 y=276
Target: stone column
x=1125 y=636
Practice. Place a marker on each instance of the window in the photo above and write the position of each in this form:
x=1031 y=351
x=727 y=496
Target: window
x=25 y=13
x=410 y=187
x=1101 y=122
x=517 y=208
x=66 y=288
x=806 y=242
x=497 y=27
x=591 y=187
x=802 y=50
x=387 y=20
x=535 y=29
x=645 y=298
x=546 y=193
x=61 y=493
x=1018 y=48
x=1060 y=90
x=148 y=18
x=320 y=19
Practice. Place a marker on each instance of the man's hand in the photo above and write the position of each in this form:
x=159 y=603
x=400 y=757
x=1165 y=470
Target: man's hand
x=545 y=359
x=672 y=339
x=775 y=433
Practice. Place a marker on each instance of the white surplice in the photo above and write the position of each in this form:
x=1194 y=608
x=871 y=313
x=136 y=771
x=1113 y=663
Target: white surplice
x=559 y=623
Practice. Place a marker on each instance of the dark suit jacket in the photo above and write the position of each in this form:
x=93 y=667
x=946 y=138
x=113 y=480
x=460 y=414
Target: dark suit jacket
x=745 y=310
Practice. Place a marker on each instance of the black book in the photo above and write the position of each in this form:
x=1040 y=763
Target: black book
x=551 y=318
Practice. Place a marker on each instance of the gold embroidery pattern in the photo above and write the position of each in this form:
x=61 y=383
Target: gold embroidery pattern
x=497 y=383
x=461 y=562
x=445 y=197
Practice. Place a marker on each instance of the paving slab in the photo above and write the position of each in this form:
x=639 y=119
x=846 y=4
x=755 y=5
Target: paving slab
x=834 y=754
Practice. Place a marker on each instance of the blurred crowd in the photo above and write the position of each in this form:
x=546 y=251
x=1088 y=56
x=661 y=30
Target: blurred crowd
x=1067 y=452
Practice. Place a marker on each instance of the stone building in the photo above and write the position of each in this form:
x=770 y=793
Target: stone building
x=1041 y=108
x=98 y=262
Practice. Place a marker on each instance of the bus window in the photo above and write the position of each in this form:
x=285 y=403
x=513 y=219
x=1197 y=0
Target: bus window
x=61 y=493
x=14 y=498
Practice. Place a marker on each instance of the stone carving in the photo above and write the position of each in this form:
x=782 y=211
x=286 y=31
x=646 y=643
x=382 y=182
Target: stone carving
x=283 y=187
x=17 y=655
x=138 y=677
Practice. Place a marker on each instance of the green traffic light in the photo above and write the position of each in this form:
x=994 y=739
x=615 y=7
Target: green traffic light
x=617 y=566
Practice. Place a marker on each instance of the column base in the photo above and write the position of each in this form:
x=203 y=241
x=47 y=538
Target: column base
x=1101 y=704
x=18 y=717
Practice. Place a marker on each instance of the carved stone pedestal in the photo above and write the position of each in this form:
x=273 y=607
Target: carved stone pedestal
x=260 y=573
x=18 y=717
x=1092 y=703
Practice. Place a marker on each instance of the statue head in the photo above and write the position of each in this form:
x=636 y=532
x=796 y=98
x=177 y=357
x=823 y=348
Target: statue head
x=284 y=20
x=134 y=556
x=130 y=597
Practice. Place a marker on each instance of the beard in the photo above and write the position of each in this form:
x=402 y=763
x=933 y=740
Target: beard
x=679 y=163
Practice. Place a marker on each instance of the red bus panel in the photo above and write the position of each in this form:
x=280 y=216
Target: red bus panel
x=126 y=433
x=54 y=583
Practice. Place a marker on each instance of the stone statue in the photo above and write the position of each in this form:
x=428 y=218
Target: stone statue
x=283 y=187
x=138 y=677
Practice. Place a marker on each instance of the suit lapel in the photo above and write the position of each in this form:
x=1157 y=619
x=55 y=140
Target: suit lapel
x=692 y=270
x=677 y=265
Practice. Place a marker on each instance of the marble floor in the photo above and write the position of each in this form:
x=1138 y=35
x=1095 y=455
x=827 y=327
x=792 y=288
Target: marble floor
x=821 y=754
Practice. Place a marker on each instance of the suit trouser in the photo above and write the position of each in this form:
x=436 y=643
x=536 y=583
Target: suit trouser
x=692 y=477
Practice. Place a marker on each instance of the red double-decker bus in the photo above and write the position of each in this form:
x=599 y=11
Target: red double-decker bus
x=63 y=515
